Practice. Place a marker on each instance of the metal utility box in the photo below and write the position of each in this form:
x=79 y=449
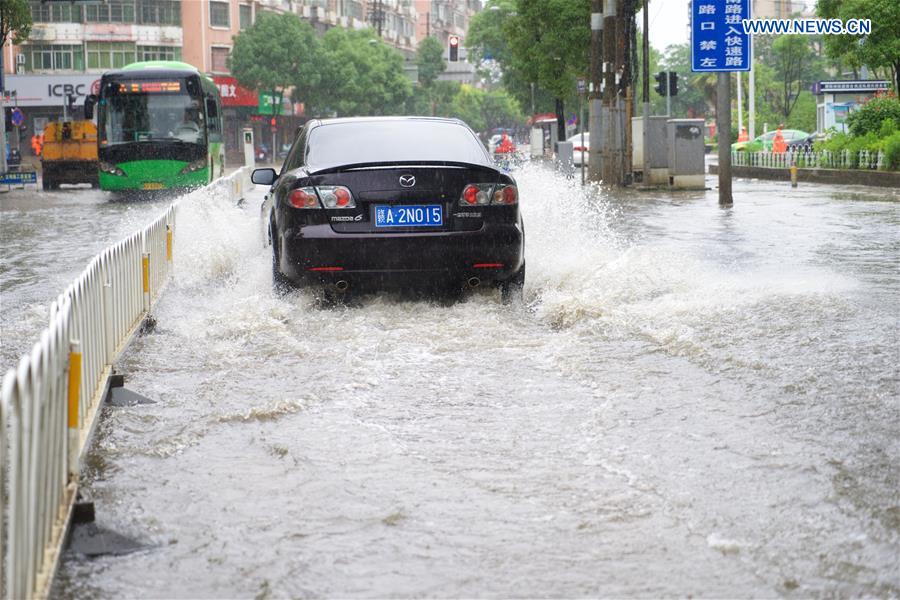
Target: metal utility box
x=565 y=157
x=659 y=154
x=686 y=153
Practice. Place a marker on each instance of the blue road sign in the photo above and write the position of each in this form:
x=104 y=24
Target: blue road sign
x=718 y=41
x=17 y=117
x=18 y=178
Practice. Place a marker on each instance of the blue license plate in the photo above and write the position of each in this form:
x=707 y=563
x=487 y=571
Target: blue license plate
x=420 y=215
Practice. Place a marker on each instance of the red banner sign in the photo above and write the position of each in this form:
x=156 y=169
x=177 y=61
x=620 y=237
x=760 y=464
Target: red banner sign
x=233 y=94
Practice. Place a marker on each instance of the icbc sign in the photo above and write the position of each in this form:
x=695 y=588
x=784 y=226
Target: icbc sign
x=233 y=94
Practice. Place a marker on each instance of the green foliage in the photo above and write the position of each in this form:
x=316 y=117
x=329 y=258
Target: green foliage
x=15 y=21
x=692 y=99
x=790 y=56
x=540 y=47
x=549 y=41
x=360 y=76
x=485 y=38
x=892 y=151
x=430 y=60
x=803 y=117
x=278 y=52
x=878 y=50
x=870 y=117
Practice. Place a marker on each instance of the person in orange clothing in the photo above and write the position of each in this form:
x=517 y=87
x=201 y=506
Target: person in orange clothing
x=742 y=136
x=506 y=146
x=779 y=146
x=36 y=144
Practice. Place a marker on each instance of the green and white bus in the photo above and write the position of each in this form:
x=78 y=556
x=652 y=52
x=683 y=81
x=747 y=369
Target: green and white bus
x=159 y=126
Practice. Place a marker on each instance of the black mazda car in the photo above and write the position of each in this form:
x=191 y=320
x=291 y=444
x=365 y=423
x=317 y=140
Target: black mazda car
x=384 y=202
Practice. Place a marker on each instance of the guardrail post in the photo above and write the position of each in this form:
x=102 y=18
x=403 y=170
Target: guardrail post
x=74 y=411
x=169 y=244
x=145 y=271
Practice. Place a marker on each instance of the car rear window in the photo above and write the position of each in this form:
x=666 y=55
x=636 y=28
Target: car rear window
x=335 y=144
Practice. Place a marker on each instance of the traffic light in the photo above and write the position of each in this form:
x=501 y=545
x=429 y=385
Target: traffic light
x=673 y=83
x=660 y=83
x=454 y=48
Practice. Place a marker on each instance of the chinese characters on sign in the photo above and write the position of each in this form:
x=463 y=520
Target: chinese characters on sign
x=718 y=41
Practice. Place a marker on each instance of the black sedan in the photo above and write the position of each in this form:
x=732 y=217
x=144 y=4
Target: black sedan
x=384 y=202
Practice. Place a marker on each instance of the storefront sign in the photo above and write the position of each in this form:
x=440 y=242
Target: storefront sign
x=51 y=90
x=234 y=94
x=266 y=103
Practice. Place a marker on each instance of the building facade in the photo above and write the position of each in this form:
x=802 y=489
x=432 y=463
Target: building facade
x=72 y=44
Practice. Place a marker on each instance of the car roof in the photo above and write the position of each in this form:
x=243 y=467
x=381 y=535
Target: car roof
x=338 y=120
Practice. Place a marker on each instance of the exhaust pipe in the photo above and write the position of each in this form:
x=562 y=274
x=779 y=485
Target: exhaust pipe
x=473 y=282
x=341 y=286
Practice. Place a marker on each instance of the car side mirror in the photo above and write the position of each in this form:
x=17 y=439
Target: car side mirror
x=263 y=176
x=89 y=103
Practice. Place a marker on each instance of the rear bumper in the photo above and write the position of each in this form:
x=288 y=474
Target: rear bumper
x=493 y=253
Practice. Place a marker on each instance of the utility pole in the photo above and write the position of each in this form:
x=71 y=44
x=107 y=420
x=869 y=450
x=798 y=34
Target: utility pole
x=3 y=165
x=608 y=139
x=751 y=101
x=645 y=85
x=740 y=100
x=723 y=131
x=594 y=101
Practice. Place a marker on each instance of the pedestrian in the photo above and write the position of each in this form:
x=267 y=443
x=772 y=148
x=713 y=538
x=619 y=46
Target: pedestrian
x=743 y=136
x=779 y=146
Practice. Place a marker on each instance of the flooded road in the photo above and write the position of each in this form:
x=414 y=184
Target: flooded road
x=46 y=241
x=692 y=402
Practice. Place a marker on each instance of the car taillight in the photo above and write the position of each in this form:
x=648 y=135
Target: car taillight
x=336 y=196
x=506 y=194
x=476 y=194
x=580 y=149
x=332 y=196
x=304 y=198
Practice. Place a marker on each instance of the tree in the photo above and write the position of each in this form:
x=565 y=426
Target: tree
x=696 y=91
x=430 y=60
x=878 y=50
x=15 y=21
x=361 y=75
x=791 y=59
x=549 y=42
x=277 y=53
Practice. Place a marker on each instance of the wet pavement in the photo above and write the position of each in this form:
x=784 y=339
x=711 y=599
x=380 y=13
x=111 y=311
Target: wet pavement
x=690 y=402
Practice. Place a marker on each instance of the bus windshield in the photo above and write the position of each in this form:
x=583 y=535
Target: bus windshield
x=150 y=111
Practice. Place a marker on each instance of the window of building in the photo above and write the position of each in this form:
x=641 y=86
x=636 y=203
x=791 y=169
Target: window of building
x=45 y=57
x=159 y=53
x=160 y=12
x=218 y=14
x=246 y=15
x=219 y=59
x=114 y=11
x=109 y=55
x=54 y=12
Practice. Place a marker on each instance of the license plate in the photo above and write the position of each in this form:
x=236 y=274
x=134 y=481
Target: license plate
x=420 y=215
x=153 y=186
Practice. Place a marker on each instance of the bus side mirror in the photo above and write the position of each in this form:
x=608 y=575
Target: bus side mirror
x=89 y=103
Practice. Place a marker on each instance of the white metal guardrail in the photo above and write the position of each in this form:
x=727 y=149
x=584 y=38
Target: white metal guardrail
x=49 y=404
x=802 y=158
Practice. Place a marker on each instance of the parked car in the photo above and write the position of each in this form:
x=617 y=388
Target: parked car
x=764 y=141
x=380 y=202
x=576 y=142
x=804 y=143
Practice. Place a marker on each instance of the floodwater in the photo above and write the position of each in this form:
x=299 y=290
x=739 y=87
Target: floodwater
x=692 y=401
x=46 y=242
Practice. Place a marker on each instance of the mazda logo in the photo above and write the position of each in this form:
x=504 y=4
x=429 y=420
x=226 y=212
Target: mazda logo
x=407 y=180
